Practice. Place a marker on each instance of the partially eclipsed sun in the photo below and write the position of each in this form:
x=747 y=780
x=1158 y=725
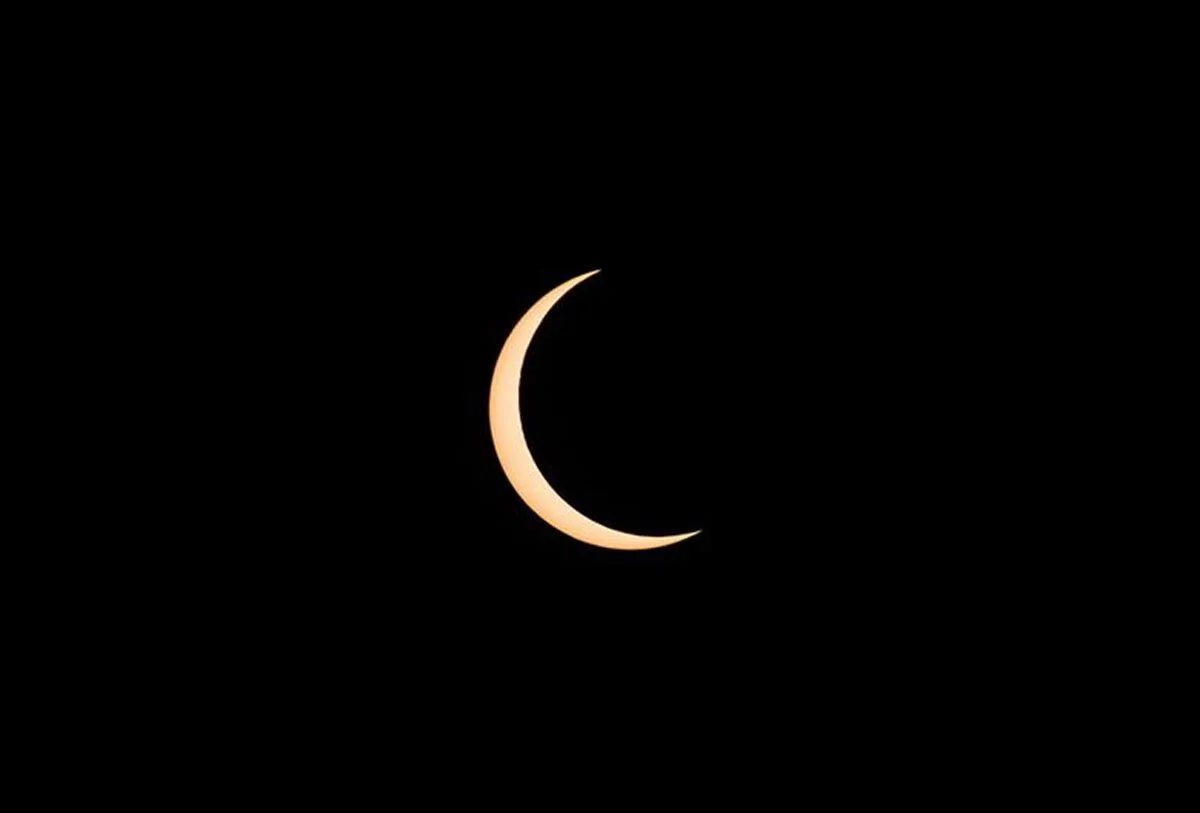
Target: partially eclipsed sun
x=515 y=457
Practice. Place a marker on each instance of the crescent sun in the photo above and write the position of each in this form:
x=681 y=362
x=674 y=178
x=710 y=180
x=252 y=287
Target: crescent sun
x=504 y=411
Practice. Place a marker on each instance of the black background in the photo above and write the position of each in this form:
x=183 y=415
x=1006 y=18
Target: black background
x=833 y=329
x=815 y=296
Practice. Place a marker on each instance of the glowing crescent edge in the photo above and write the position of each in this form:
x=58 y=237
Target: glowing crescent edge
x=504 y=410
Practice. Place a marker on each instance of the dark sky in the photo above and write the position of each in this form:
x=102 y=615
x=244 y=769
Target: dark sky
x=820 y=288
x=798 y=344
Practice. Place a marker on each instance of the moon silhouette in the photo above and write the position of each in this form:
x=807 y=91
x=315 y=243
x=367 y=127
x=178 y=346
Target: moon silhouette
x=516 y=459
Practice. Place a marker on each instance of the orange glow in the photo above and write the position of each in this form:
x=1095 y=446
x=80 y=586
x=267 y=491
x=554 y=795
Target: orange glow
x=515 y=457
